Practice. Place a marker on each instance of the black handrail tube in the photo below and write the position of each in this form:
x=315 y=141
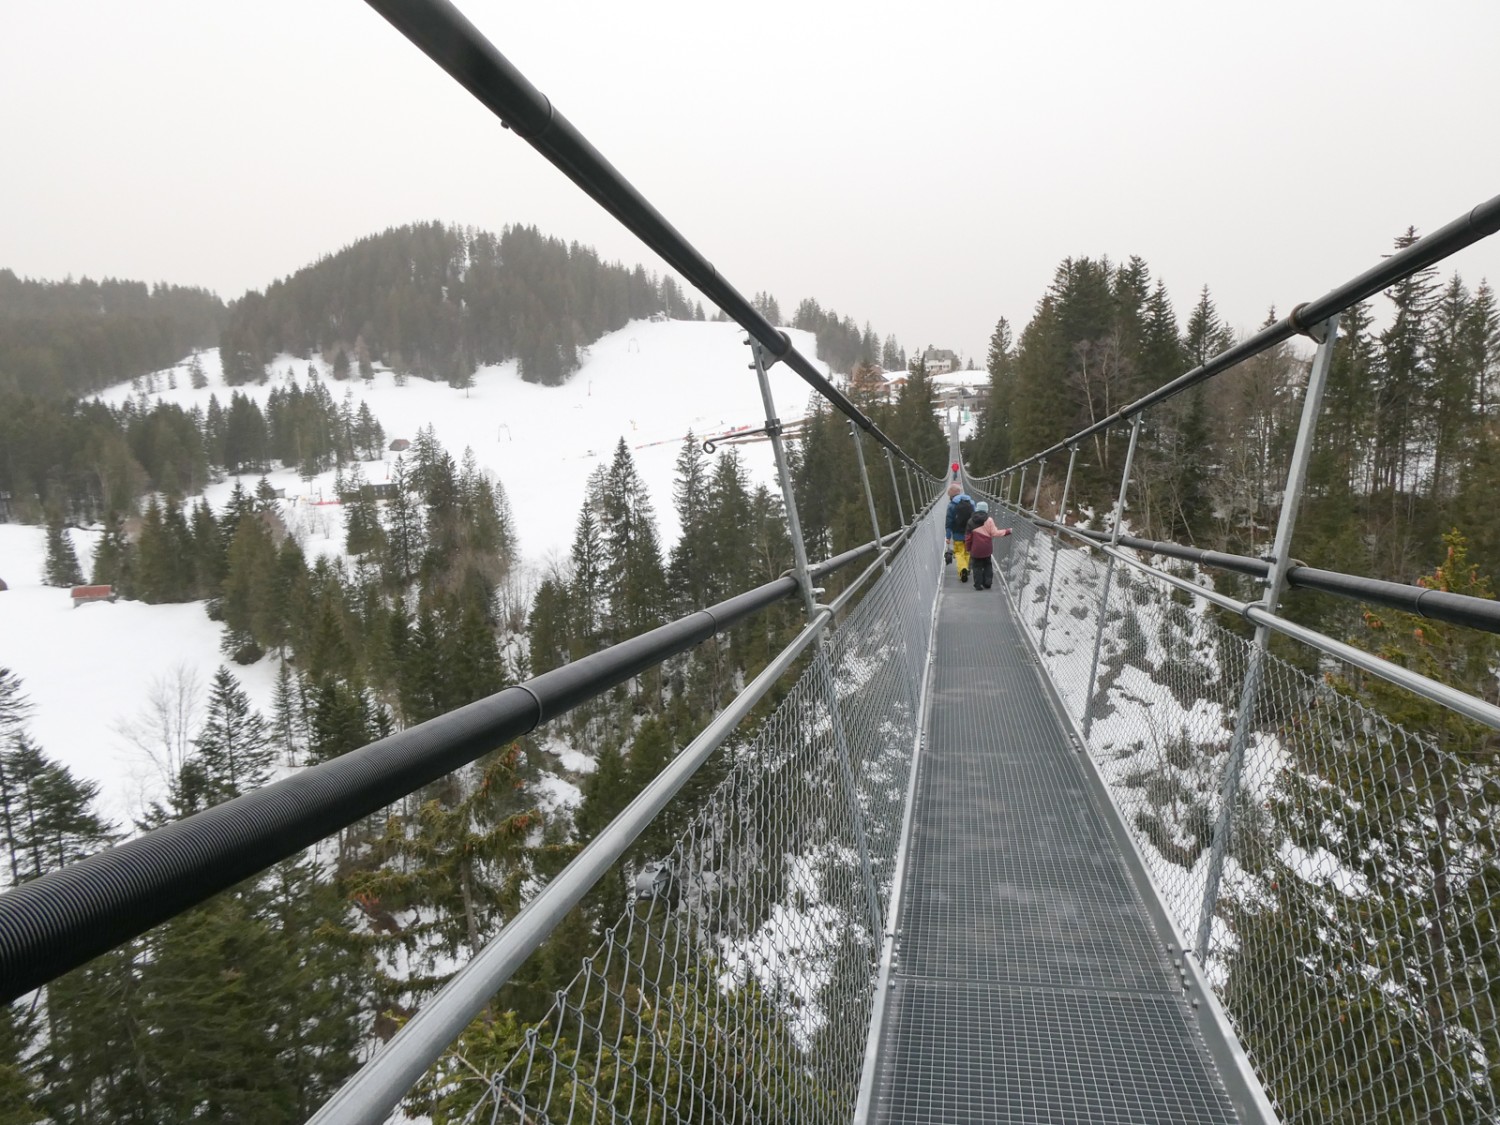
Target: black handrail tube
x=65 y=918
x=1480 y=222
x=1435 y=605
x=447 y=37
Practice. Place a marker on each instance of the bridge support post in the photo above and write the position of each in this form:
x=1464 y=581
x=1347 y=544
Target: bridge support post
x=784 y=475
x=1062 y=507
x=1291 y=501
x=1041 y=469
x=911 y=492
x=890 y=463
x=1109 y=575
x=1020 y=501
x=864 y=476
x=825 y=665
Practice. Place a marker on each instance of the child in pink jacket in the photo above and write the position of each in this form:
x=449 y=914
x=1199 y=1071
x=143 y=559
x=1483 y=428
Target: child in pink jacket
x=980 y=539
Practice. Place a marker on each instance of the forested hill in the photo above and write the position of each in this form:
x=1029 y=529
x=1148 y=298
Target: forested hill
x=438 y=301
x=74 y=337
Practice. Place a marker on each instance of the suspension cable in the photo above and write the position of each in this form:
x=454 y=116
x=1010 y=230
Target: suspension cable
x=447 y=37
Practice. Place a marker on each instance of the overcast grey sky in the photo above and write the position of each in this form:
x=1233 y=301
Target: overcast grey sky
x=922 y=166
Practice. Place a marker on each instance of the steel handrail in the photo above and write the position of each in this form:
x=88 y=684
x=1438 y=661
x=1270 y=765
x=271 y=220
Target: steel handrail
x=1435 y=605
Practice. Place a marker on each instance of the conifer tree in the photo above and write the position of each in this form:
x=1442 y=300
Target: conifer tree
x=452 y=862
x=688 y=572
x=403 y=528
x=46 y=814
x=289 y=718
x=633 y=574
x=232 y=753
x=114 y=561
x=549 y=626
x=586 y=595
x=62 y=561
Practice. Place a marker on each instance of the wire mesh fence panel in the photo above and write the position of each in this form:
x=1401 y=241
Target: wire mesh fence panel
x=1355 y=937
x=738 y=983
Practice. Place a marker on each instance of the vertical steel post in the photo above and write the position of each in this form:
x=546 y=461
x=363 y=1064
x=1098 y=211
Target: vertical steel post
x=1020 y=504
x=1109 y=574
x=784 y=474
x=1041 y=469
x=1244 y=720
x=911 y=492
x=890 y=463
x=864 y=476
x=804 y=579
x=1062 y=507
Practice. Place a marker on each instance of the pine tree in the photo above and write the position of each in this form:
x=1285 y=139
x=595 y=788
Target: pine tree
x=62 y=562
x=46 y=814
x=343 y=719
x=289 y=719
x=232 y=753
x=452 y=862
x=586 y=595
x=634 y=579
x=688 y=575
x=114 y=561
x=549 y=626
x=403 y=528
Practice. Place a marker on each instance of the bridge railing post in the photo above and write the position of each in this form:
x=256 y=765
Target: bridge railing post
x=890 y=463
x=804 y=579
x=1031 y=531
x=1291 y=501
x=864 y=476
x=911 y=492
x=1062 y=508
x=1109 y=574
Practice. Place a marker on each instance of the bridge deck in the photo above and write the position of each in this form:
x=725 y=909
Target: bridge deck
x=1031 y=983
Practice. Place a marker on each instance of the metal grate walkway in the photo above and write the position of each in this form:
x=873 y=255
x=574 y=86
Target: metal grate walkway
x=1030 y=984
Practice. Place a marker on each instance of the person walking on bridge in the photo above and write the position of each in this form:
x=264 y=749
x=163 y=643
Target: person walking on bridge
x=980 y=538
x=960 y=509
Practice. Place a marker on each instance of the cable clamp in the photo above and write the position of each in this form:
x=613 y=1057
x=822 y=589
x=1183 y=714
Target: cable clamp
x=1317 y=333
x=772 y=428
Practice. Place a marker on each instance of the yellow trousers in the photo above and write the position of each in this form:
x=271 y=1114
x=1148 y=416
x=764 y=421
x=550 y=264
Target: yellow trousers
x=960 y=554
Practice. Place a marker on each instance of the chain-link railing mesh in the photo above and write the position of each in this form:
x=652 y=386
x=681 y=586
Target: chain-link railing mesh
x=1355 y=938
x=738 y=984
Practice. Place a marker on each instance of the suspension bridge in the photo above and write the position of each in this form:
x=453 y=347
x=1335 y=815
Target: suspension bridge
x=1073 y=848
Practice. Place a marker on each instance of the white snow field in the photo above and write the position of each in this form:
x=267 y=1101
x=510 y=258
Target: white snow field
x=91 y=671
x=649 y=383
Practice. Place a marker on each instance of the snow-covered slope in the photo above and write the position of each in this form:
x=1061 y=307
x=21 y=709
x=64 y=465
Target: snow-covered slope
x=648 y=383
x=93 y=671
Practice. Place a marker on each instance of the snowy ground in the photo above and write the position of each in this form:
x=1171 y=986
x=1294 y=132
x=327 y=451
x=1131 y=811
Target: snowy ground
x=649 y=383
x=92 y=671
